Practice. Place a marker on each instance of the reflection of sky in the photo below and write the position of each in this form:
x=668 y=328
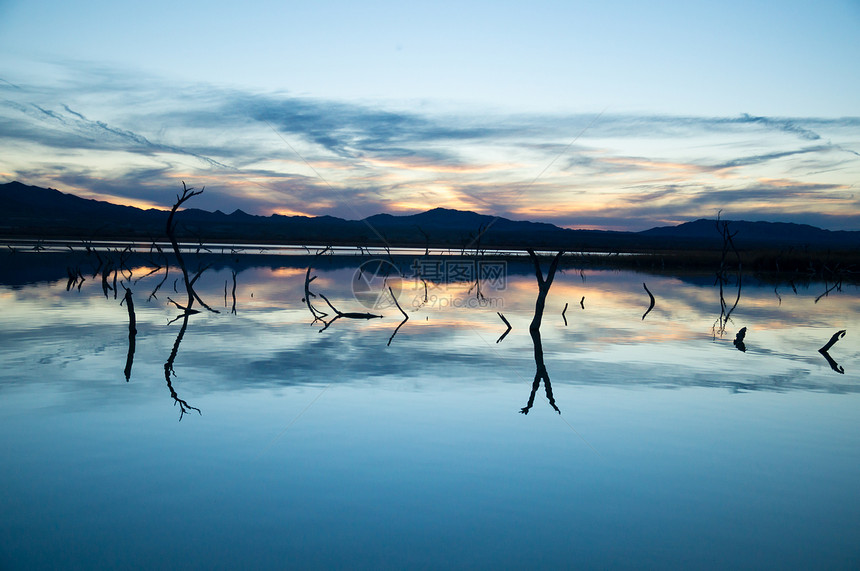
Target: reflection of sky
x=271 y=334
x=332 y=448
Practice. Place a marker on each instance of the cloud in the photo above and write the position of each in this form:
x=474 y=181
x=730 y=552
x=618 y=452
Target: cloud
x=785 y=125
x=758 y=159
x=136 y=137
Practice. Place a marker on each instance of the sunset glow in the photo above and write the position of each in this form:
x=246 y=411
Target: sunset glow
x=387 y=117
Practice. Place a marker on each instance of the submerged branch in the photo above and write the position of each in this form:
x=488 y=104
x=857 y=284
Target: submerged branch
x=405 y=317
x=836 y=337
x=132 y=332
x=650 y=295
x=508 y=330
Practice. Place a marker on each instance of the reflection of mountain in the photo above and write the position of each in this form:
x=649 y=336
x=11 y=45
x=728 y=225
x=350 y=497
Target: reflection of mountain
x=45 y=213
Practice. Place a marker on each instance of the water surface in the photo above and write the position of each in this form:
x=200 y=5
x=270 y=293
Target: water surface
x=308 y=445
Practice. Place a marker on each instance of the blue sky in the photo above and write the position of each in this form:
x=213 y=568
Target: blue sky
x=616 y=115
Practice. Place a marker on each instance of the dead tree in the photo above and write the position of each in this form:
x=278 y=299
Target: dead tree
x=543 y=285
x=541 y=373
x=187 y=194
x=722 y=278
x=187 y=309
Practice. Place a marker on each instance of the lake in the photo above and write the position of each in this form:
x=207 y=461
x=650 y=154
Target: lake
x=709 y=432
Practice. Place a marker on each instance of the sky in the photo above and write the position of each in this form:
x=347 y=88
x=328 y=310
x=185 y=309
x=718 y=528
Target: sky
x=615 y=115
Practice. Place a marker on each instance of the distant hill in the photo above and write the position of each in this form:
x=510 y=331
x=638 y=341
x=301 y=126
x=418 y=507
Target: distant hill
x=32 y=211
x=748 y=234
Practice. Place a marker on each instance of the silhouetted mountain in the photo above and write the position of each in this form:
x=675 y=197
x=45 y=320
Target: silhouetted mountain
x=749 y=234
x=31 y=211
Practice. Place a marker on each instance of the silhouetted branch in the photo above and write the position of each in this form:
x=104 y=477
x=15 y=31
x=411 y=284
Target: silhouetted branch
x=424 y=301
x=836 y=337
x=508 y=330
x=543 y=285
x=405 y=317
x=187 y=193
x=836 y=286
x=650 y=295
x=316 y=313
x=350 y=314
x=582 y=302
x=161 y=283
x=339 y=314
x=426 y=240
x=722 y=276
x=563 y=311
x=76 y=278
x=132 y=332
x=124 y=255
x=233 y=309
x=824 y=351
x=105 y=275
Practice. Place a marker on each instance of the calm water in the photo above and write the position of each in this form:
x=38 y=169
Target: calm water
x=345 y=447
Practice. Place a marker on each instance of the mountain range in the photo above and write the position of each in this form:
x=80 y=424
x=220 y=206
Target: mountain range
x=36 y=212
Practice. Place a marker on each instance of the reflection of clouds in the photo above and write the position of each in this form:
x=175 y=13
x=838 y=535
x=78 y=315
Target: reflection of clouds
x=271 y=342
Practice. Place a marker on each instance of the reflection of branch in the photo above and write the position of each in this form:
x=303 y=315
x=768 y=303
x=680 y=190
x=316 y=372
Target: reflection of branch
x=105 y=276
x=540 y=374
x=75 y=278
x=833 y=364
x=233 y=310
x=508 y=330
x=316 y=313
x=650 y=307
x=824 y=351
x=563 y=311
x=168 y=371
x=405 y=317
x=132 y=332
x=837 y=286
x=161 y=283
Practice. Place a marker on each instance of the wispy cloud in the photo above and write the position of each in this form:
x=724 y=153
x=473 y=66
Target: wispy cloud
x=134 y=138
